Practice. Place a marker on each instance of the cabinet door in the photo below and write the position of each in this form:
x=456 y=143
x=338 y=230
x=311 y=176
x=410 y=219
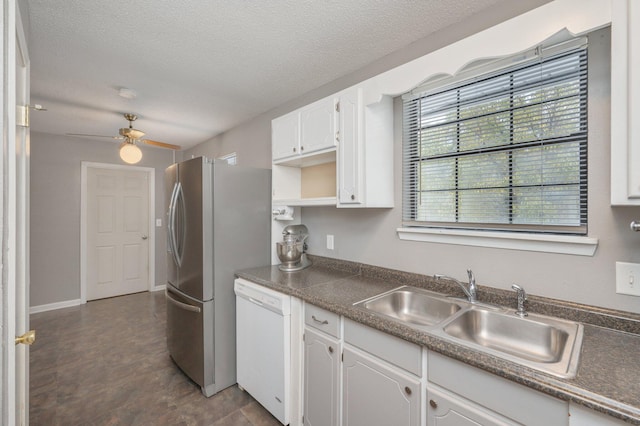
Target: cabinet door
x=625 y=103
x=350 y=150
x=285 y=136
x=374 y=393
x=444 y=409
x=321 y=384
x=317 y=126
x=583 y=416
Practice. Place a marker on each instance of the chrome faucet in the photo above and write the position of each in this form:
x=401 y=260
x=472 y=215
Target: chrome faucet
x=470 y=290
x=522 y=297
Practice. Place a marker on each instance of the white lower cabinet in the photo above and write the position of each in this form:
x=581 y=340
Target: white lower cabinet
x=321 y=390
x=354 y=375
x=382 y=379
x=484 y=394
x=446 y=409
x=377 y=394
x=582 y=416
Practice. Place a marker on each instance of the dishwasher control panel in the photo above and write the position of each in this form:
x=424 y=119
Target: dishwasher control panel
x=269 y=299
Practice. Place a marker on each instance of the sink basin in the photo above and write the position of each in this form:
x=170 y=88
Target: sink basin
x=412 y=306
x=547 y=344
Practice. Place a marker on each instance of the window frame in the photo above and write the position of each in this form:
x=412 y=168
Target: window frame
x=473 y=77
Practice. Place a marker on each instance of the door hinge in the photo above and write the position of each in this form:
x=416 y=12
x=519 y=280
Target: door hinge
x=22 y=115
x=342 y=357
x=303 y=336
x=338 y=106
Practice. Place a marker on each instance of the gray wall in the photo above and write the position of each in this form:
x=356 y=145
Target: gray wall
x=369 y=235
x=55 y=211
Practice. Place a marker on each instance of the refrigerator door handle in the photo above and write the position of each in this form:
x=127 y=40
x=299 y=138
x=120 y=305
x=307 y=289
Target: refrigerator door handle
x=181 y=305
x=171 y=225
x=182 y=223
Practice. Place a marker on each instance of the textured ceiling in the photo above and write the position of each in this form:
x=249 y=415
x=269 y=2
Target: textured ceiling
x=201 y=67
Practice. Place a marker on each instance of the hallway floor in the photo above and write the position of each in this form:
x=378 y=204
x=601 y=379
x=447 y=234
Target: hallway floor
x=106 y=363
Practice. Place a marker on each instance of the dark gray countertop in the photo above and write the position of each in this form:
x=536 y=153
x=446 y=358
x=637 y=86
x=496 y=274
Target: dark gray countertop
x=608 y=378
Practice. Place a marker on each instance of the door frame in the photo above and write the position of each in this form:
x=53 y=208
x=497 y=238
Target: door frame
x=14 y=274
x=151 y=173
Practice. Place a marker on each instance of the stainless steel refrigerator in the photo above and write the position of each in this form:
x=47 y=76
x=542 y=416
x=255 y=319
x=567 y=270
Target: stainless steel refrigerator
x=218 y=221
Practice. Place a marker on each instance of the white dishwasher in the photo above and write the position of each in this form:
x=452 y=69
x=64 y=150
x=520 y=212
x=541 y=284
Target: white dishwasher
x=263 y=346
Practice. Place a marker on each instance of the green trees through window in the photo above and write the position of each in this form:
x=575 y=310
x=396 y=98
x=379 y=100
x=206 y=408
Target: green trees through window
x=506 y=150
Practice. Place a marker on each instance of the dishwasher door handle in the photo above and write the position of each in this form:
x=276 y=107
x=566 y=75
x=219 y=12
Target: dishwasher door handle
x=181 y=305
x=254 y=301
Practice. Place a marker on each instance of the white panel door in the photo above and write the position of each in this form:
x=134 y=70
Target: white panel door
x=117 y=232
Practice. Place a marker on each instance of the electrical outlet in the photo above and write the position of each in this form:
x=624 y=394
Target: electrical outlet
x=329 y=242
x=628 y=278
x=158 y=222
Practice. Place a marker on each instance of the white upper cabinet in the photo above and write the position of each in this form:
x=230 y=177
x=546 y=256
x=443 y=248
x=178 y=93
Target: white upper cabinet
x=349 y=154
x=336 y=151
x=305 y=131
x=285 y=136
x=625 y=102
x=318 y=126
x=365 y=152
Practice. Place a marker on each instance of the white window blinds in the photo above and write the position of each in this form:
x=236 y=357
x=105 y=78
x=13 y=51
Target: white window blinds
x=506 y=150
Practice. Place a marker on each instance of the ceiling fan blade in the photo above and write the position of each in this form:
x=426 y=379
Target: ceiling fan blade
x=94 y=136
x=161 y=144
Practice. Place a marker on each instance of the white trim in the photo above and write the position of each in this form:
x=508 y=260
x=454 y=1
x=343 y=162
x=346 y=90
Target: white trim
x=563 y=244
x=151 y=173
x=159 y=287
x=54 y=306
x=506 y=38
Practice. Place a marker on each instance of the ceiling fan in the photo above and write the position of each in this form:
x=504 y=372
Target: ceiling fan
x=129 y=151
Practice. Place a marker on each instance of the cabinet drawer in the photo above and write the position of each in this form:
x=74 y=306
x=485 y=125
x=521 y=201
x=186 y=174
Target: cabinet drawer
x=392 y=349
x=322 y=320
x=514 y=401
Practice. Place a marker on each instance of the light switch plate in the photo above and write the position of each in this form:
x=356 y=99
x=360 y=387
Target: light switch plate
x=628 y=278
x=158 y=222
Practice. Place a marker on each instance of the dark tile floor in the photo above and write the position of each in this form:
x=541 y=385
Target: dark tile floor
x=106 y=363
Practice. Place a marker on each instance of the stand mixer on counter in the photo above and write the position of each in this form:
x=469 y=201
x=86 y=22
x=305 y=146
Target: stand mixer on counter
x=292 y=250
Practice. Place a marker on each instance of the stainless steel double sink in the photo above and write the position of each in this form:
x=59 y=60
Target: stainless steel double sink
x=547 y=344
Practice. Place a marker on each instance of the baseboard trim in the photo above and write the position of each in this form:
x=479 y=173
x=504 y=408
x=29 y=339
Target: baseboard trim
x=54 y=306
x=159 y=288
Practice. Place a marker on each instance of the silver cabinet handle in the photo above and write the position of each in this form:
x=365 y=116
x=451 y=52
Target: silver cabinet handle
x=433 y=404
x=144 y=237
x=635 y=226
x=407 y=390
x=313 y=317
x=330 y=349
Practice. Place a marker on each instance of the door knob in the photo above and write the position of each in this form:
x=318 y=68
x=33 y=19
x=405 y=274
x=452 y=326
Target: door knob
x=144 y=237
x=27 y=338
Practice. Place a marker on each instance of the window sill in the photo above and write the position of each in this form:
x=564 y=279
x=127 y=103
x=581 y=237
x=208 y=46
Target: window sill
x=563 y=244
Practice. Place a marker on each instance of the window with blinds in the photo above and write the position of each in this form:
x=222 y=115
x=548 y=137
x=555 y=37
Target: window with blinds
x=505 y=150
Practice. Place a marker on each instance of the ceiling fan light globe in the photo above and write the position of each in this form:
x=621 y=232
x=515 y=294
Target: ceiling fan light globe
x=130 y=153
